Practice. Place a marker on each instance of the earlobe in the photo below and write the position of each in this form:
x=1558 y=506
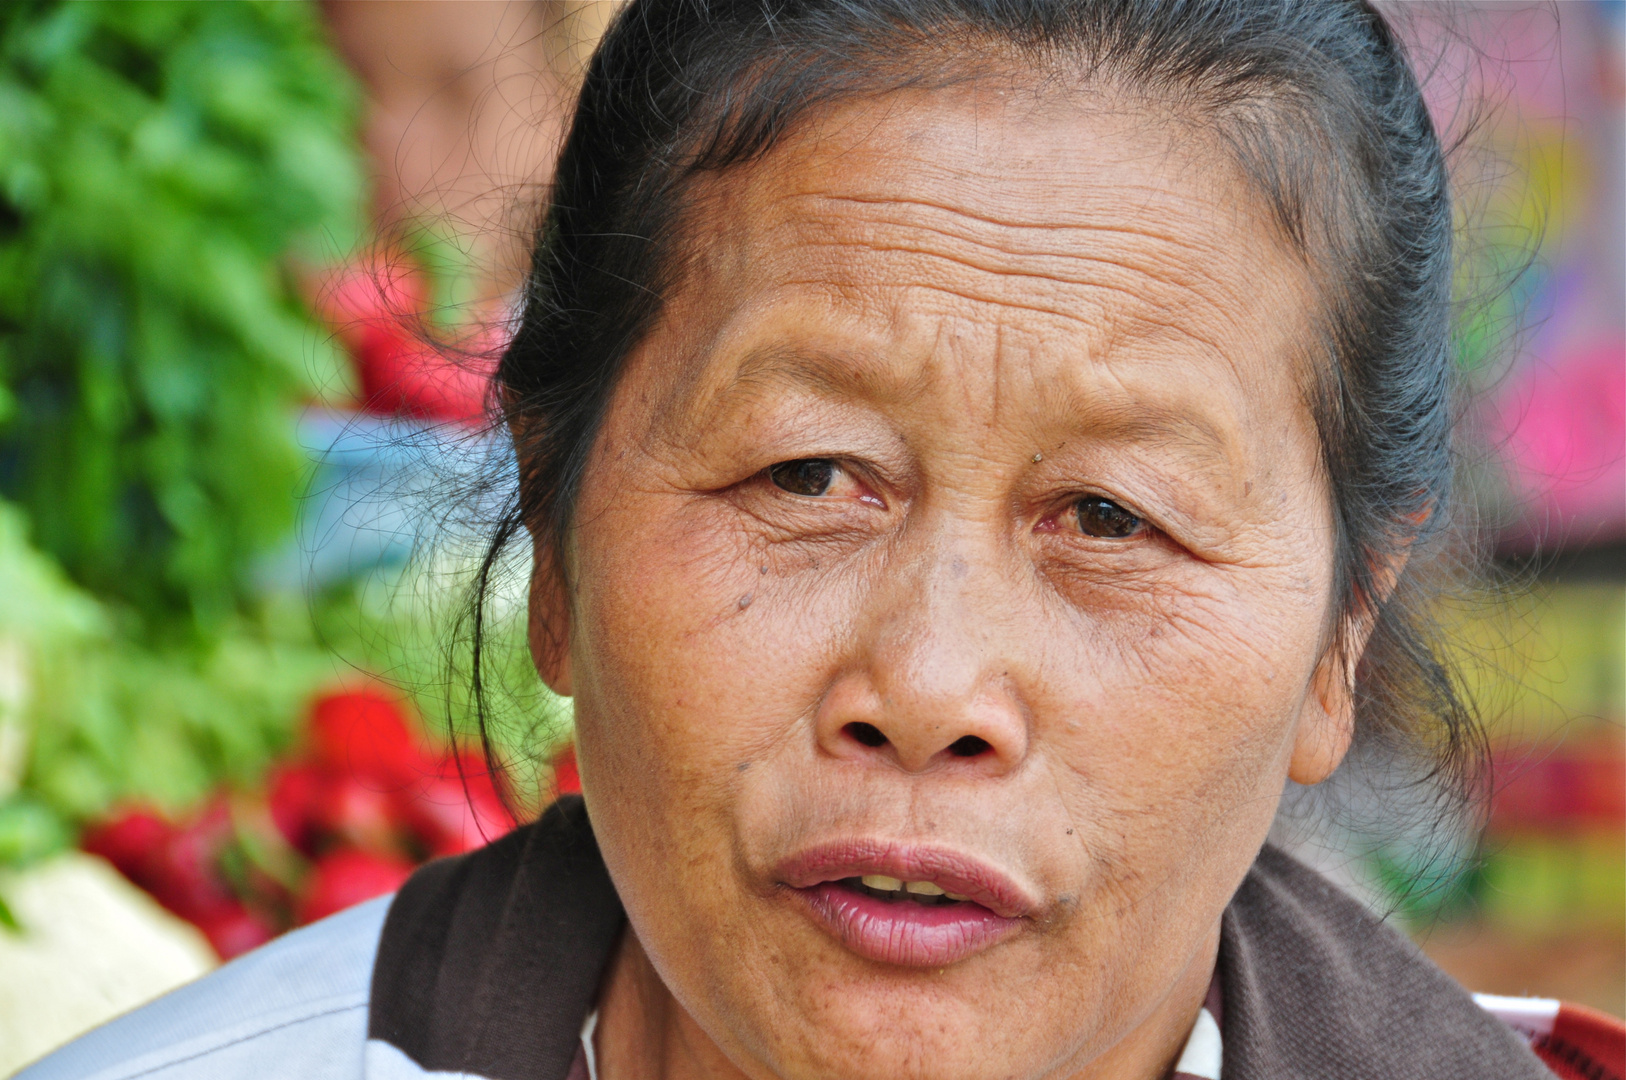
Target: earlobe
x=548 y=625
x=1327 y=723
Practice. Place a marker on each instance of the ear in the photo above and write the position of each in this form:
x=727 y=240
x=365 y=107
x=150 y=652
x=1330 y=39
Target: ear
x=1327 y=724
x=548 y=622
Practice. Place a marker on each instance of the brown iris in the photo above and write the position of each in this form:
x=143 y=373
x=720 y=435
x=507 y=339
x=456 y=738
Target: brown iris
x=806 y=476
x=1105 y=518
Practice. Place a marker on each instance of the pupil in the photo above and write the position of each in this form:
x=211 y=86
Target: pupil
x=809 y=476
x=1103 y=517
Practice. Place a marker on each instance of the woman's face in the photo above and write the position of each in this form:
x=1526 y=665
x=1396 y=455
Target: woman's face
x=960 y=524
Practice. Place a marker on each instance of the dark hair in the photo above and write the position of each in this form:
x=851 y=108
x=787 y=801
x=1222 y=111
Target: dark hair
x=1314 y=98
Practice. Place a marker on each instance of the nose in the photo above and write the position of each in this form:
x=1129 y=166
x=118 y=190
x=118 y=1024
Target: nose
x=932 y=682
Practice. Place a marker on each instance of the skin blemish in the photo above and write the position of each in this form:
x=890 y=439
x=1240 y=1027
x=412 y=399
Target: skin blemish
x=745 y=601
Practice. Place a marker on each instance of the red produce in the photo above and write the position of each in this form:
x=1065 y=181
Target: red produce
x=454 y=813
x=295 y=802
x=356 y=812
x=344 y=823
x=363 y=733
x=129 y=841
x=184 y=873
x=180 y=866
x=342 y=878
x=235 y=932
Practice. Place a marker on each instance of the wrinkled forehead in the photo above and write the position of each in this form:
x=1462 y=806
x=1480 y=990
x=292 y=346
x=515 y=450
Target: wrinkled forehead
x=996 y=238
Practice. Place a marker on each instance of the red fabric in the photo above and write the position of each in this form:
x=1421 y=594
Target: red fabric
x=1585 y=1045
x=1579 y=785
x=578 y=1068
x=377 y=310
x=566 y=780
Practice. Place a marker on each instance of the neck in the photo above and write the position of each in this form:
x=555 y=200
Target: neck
x=644 y=1033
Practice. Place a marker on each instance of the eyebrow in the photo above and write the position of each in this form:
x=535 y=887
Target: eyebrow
x=833 y=375
x=826 y=373
x=1161 y=426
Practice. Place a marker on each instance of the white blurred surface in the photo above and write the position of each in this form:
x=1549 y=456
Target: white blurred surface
x=92 y=946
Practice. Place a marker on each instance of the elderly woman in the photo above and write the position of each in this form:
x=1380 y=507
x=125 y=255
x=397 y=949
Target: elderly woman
x=976 y=453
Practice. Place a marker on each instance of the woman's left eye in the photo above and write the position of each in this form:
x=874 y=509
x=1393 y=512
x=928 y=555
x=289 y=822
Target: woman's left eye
x=1104 y=518
x=806 y=476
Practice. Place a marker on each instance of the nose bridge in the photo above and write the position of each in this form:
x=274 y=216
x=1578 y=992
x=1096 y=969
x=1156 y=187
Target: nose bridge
x=932 y=638
x=934 y=654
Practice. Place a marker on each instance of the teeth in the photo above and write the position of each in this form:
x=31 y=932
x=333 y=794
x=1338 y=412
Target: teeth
x=883 y=883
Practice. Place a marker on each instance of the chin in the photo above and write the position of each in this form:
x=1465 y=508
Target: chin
x=913 y=1035
x=833 y=1015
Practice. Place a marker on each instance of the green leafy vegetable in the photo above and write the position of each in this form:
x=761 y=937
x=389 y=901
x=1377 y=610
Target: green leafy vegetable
x=167 y=170
x=159 y=164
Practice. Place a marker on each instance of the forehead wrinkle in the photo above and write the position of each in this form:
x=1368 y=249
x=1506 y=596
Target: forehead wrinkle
x=1109 y=332
x=1158 y=270
x=1174 y=285
x=1006 y=224
x=843 y=374
x=1172 y=279
x=1178 y=307
x=774 y=366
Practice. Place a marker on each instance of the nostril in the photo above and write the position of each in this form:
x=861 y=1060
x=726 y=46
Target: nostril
x=868 y=734
x=968 y=746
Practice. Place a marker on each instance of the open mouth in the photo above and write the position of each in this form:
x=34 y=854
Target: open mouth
x=906 y=906
x=894 y=889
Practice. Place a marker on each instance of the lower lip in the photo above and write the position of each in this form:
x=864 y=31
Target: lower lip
x=902 y=932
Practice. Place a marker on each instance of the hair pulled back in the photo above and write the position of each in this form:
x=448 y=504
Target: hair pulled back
x=1314 y=98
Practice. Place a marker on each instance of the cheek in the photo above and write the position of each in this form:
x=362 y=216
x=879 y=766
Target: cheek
x=690 y=662
x=1167 y=717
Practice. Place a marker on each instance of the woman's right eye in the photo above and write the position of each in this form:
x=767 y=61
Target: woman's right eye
x=806 y=476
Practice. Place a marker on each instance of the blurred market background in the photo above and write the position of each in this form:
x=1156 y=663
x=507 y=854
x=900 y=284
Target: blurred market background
x=241 y=493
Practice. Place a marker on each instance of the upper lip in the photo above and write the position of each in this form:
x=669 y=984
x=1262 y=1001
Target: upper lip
x=954 y=871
